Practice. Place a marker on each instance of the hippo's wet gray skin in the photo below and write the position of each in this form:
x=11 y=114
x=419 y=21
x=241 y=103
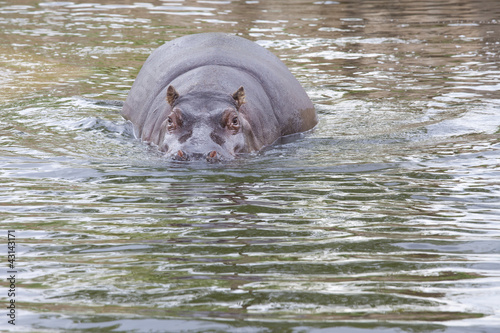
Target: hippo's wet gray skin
x=213 y=96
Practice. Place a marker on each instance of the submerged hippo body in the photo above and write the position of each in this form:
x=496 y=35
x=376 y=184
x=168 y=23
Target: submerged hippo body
x=213 y=96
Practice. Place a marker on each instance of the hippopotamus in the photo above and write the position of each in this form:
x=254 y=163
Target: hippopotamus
x=213 y=96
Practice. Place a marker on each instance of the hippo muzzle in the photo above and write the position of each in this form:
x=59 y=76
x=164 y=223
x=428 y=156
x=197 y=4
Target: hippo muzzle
x=202 y=144
x=211 y=157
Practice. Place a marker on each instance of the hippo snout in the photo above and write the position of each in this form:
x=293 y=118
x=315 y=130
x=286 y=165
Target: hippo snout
x=212 y=157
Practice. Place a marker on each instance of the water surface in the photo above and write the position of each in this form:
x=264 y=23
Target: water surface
x=385 y=217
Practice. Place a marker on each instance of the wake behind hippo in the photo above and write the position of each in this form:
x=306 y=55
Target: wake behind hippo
x=214 y=96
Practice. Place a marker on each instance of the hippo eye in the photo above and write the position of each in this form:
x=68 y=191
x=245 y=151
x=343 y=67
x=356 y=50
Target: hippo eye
x=234 y=124
x=174 y=120
x=230 y=120
x=170 y=124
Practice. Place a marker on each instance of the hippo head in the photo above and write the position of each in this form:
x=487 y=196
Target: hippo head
x=204 y=126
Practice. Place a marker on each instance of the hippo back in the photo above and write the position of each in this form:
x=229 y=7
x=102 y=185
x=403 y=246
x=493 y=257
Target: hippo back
x=290 y=103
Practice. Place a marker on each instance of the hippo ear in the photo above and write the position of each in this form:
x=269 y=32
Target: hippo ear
x=239 y=97
x=172 y=95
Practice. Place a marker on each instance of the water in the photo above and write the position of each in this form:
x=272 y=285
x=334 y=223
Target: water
x=385 y=218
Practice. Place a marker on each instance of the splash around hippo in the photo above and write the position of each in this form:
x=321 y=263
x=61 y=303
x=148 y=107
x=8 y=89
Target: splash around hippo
x=213 y=96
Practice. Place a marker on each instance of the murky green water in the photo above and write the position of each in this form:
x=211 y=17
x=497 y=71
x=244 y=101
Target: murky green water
x=385 y=218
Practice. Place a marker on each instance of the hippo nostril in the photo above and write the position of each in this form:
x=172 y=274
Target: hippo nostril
x=180 y=156
x=213 y=156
